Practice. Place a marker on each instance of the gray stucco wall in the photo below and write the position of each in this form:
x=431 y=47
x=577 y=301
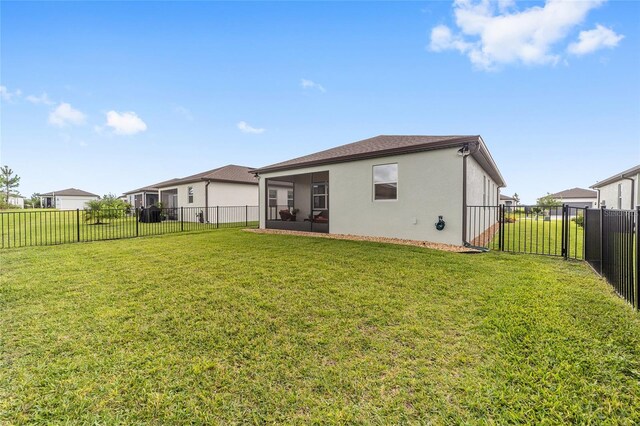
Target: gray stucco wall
x=429 y=185
x=609 y=193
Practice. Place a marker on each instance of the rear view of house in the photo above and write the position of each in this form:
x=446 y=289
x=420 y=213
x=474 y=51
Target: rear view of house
x=620 y=191
x=67 y=199
x=411 y=187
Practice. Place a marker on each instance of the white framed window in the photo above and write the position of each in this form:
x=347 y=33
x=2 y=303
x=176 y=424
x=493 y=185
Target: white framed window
x=290 y=198
x=273 y=198
x=620 y=196
x=320 y=194
x=190 y=194
x=484 y=190
x=385 y=182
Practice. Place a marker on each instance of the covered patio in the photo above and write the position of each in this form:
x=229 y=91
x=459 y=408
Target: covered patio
x=306 y=207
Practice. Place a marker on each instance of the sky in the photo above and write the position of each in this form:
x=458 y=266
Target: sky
x=111 y=96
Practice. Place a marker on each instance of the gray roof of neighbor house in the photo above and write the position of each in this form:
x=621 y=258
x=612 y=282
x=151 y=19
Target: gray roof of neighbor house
x=575 y=193
x=386 y=145
x=70 y=192
x=506 y=197
x=150 y=188
x=230 y=173
x=632 y=171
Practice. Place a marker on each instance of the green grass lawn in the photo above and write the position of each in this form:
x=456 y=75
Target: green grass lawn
x=235 y=327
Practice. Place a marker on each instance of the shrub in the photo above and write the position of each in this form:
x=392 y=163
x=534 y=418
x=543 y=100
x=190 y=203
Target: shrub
x=579 y=220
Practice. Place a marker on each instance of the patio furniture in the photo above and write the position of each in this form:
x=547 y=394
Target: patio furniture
x=287 y=216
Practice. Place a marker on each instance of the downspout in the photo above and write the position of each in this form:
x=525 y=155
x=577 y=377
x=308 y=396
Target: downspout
x=465 y=152
x=633 y=183
x=206 y=201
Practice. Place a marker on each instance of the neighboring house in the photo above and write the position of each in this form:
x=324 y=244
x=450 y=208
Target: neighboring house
x=620 y=191
x=387 y=186
x=577 y=197
x=507 y=201
x=203 y=192
x=16 y=200
x=146 y=196
x=67 y=199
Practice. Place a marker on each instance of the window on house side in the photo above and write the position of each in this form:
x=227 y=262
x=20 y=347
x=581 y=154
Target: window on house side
x=385 y=182
x=319 y=196
x=190 y=194
x=484 y=190
x=620 y=196
x=290 y=198
x=273 y=198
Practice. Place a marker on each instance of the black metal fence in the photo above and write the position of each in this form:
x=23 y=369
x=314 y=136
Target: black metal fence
x=551 y=231
x=609 y=240
x=51 y=227
x=612 y=249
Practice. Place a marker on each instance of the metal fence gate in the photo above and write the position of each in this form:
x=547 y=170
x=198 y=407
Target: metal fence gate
x=609 y=240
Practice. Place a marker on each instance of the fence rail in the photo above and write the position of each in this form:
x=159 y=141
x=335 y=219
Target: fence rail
x=609 y=240
x=52 y=227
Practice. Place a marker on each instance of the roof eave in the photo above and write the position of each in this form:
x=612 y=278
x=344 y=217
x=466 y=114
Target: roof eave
x=624 y=175
x=454 y=143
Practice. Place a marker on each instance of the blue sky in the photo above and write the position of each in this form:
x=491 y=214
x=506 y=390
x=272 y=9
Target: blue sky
x=110 y=96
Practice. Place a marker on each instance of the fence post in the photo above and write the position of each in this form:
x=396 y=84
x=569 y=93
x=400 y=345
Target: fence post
x=601 y=240
x=181 y=218
x=565 y=225
x=500 y=227
x=78 y=223
x=246 y=216
x=637 y=224
x=217 y=217
x=137 y=219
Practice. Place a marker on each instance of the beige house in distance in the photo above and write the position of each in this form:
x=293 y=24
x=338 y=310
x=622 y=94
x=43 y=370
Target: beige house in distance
x=209 y=196
x=67 y=199
x=577 y=197
x=146 y=196
x=620 y=191
x=387 y=186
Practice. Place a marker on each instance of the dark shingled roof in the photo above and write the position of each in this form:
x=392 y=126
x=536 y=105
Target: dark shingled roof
x=576 y=193
x=70 y=192
x=151 y=188
x=386 y=145
x=230 y=173
x=627 y=173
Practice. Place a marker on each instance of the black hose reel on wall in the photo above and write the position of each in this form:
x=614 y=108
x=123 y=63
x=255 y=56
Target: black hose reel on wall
x=440 y=224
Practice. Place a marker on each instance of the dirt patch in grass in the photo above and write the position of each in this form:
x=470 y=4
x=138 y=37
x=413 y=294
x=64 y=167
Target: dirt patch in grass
x=416 y=243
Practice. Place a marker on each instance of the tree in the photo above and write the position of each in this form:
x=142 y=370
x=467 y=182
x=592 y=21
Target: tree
x=516 y=198
x=546 y=203
x=108 y=207
x=34 y=201
x=8 y=181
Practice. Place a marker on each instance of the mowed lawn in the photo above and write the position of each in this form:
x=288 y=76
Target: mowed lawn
x=230 y=326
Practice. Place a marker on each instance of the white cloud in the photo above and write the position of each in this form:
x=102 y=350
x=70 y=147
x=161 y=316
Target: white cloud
x=309 y=84
x=245 y=128
x=40 y=100
x=125 y=123
x=7 y=95
x=592 y=40
x=493 y=33
x=64 y=115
